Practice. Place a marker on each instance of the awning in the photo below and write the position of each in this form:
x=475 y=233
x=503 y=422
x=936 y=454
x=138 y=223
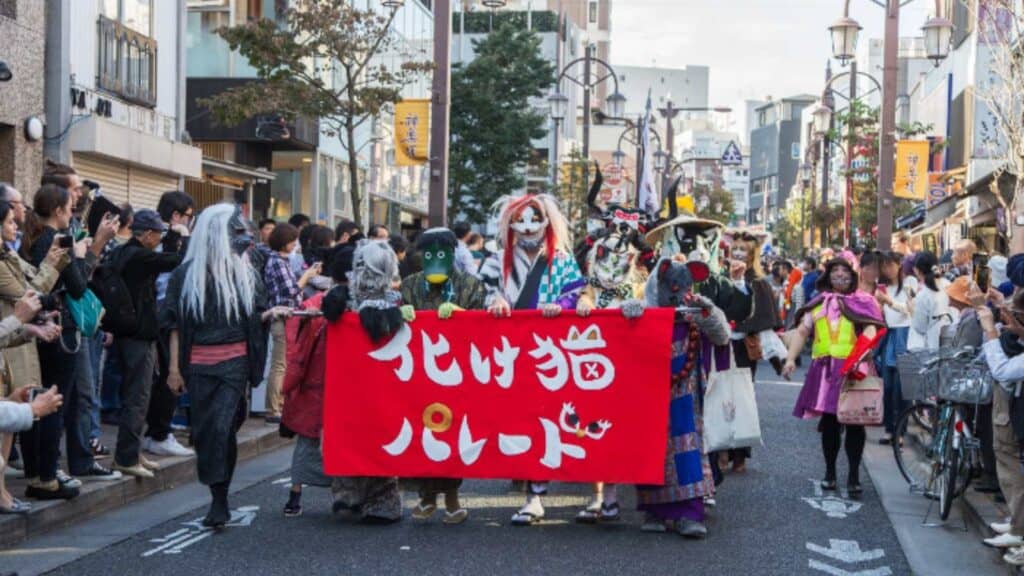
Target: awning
x=218 y=170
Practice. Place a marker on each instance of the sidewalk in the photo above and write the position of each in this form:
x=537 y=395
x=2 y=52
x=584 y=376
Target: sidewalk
x=935 y=547
x=255 y=438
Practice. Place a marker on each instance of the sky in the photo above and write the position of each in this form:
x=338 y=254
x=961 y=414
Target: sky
x=755 y=48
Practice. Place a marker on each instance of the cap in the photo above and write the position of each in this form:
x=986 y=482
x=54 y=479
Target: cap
x=997 y=264
x=147 y=219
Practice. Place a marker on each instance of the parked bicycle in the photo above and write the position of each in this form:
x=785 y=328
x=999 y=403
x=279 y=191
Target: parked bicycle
x=935 y=447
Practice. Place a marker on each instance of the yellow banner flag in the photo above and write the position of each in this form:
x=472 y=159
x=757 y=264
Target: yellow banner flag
x=911 y=169
x=412 y=132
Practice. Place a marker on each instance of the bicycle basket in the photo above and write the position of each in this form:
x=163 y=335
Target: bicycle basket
x=965 y=383
x=916 y=381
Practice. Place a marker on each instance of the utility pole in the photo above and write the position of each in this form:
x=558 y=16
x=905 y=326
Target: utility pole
x=440 y=109
x=850 y=131
x=669 y=112
x=826 y=145
x=586 y=114
x=887 y=162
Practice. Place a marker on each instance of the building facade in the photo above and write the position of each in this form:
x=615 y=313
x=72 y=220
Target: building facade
x=299 y=166
x=775 y=156
x=23 y=28
x=115 y=100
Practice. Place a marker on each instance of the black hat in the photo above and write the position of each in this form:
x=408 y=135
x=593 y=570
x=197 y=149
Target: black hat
x=147 y=219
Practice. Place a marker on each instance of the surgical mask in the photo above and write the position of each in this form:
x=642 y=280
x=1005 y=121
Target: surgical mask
x=529 y=244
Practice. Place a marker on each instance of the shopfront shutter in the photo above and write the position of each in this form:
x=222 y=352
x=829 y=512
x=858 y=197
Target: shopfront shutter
x=146 y=186
x=110 y=175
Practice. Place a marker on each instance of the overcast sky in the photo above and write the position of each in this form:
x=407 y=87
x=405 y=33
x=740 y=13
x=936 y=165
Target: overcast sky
x=754 y=48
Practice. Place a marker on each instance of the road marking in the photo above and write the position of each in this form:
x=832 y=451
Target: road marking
x=846 y=552
x=194 y=531
x=833 y=506
x=285 y=480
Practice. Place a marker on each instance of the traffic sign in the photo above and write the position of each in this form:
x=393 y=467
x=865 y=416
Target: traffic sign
x=732 y=155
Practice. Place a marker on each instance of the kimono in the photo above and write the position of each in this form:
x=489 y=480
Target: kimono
x=525 y=289
x=688 y=474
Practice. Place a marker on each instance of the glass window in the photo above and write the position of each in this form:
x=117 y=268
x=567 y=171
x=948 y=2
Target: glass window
x=340 y=187
x=138 y=15
x=208 y=55
x=593 y=13
x=322 y=196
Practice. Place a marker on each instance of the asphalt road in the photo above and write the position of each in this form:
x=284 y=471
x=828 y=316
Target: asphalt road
x=769 y=520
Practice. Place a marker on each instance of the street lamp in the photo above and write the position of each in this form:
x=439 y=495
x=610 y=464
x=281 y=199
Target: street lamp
x=845 y=33
x=938 y=33
x=806 y=172
x=660 y=160
x=559 y=103
x=619 y=157
x=822 y=119
x=393 y=4
x=595 y=73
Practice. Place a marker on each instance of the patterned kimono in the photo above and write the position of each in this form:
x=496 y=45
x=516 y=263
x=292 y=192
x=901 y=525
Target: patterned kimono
x=688 y=477
x=559 y=284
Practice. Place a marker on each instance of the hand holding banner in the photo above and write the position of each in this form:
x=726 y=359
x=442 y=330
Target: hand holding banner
x=569 y=398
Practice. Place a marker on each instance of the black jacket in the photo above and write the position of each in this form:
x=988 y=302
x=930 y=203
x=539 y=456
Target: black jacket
x=141 y=266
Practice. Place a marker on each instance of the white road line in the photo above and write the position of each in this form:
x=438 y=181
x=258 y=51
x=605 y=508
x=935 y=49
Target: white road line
x=170 y=536
x=822 y=567
x=167 y=545
x=177 y=549
x=792 y=383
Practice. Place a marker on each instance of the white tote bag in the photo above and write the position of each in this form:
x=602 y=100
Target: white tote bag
x=730 y=409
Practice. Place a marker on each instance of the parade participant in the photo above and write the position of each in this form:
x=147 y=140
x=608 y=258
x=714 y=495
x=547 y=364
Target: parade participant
x=846 y=324
x=679 y=503
x=757 y=309
x=216 y=313
x=376 y=500
x=303 y=390
x=444 y=288
x=533 y=269
x=612 y=283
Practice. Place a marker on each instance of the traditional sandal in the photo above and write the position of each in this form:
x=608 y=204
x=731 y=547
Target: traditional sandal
x=525 y=518
x=591 y=514
x=421 y=512
x=457 y=517
x=610 y=512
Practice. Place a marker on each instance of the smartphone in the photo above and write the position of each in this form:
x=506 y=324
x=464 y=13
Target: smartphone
x=66 y=241
x=36 y=391
x=981 y=272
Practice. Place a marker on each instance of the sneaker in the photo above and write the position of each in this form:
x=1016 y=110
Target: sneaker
x=1014 y=557
x=167 y=447
x=53 y=490
x=67 y=480
x=98 y=472
x=691 y=529
x=138 y=470
x=1005 y=541
x=1000 y=527
x=148 y=464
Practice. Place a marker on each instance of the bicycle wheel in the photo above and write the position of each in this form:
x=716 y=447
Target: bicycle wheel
x=950 y=469
x=911 y=440
x=925 y=415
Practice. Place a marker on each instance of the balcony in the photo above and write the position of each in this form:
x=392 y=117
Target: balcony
x=127 y=63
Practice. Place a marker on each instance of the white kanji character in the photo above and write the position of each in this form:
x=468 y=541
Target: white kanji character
x=590 y=371
x=554 y=448
x=506 y=359
x=452 y=376
x=436 y=450
x=481 y=366
x=556 y=361
x=514 y=444
x=398 y=347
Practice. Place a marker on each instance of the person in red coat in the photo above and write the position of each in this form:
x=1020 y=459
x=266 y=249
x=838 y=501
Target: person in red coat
x=303 y=388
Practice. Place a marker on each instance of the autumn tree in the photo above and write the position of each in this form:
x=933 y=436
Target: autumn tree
x=322 y=59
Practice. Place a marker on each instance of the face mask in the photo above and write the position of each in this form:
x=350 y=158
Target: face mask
x=531 y=223
x=241 y=237
x=840 y=279
x=438 y=263
x=529 y=244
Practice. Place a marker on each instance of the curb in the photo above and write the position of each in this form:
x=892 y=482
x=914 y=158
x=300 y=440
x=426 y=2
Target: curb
x=99 y=497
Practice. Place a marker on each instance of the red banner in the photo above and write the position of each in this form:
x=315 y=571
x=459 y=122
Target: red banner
x=571 y=399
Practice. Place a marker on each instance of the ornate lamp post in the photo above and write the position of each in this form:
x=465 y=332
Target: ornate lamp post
x=845 y=32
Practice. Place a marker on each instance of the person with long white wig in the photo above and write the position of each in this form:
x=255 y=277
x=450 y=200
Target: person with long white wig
x=216 y=314
x=533 y=270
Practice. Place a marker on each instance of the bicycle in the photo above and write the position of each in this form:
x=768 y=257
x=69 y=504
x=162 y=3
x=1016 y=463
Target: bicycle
x=941 y=385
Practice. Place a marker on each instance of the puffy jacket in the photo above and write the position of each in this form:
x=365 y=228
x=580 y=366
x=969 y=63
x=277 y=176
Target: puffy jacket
x=306 y=366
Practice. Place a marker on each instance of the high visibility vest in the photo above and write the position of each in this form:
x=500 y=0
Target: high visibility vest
x=836 y=343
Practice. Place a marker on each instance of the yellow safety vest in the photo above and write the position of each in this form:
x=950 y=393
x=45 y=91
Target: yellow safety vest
x=836 y=343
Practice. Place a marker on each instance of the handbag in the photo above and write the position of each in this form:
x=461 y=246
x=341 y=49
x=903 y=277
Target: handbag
x=730 y=409
x=87 y=312
x=860 y=402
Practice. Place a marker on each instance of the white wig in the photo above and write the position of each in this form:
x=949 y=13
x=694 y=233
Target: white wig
x=557 y=234
x=374 y=269
x=215 y=269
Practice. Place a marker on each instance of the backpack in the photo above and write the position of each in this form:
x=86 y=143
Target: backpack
x=121 y=318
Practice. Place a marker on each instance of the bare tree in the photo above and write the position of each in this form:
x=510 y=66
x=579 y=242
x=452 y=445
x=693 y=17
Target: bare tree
x=1000 y=88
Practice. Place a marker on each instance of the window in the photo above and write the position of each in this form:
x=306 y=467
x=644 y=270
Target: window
x=208 y=55
x=593 y=13
x=136 y=15
x=127 y=53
